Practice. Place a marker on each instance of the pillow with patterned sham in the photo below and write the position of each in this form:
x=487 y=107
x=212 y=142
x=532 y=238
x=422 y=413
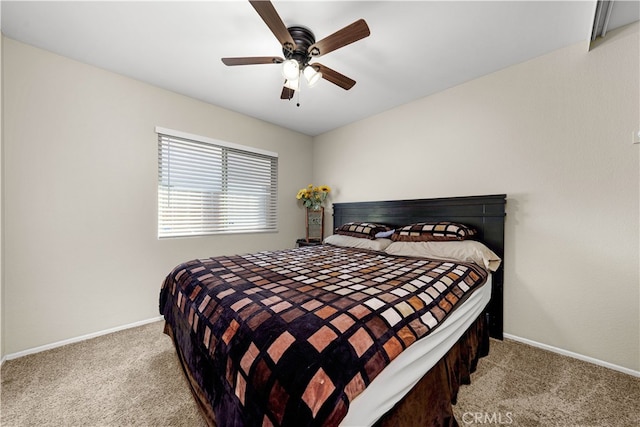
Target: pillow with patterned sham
x=432 y=231
x=366 y=230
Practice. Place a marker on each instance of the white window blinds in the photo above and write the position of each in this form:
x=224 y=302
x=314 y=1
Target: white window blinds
x=209 y=187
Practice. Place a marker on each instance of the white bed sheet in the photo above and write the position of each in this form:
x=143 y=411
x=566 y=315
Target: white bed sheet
x=399 y=377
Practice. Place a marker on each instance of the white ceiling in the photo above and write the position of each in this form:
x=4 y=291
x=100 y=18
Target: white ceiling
x=416 y=48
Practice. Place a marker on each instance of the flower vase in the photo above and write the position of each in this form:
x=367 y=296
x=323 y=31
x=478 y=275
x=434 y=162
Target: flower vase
x=315 y=224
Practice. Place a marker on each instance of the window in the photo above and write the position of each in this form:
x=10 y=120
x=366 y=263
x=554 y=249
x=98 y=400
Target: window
x=210 y=187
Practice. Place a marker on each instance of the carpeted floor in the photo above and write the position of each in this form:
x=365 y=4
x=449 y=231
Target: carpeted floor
x=526 y=386
x=133 y=377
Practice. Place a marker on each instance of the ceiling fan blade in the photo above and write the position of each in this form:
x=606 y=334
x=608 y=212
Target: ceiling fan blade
x=270 y=17
x=252 y=60
x=335 y=77
x=287 y=93
x=349 y=34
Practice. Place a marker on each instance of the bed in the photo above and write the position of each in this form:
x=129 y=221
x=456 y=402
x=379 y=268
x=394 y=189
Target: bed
x=335 y=334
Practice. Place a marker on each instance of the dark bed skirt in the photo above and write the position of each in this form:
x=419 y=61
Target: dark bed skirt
x=429 y=403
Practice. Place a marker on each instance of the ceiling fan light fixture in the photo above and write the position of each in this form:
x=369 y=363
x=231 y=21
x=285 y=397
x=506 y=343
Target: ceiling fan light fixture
x=312 y=75
x=293 y=84
x=290 y=69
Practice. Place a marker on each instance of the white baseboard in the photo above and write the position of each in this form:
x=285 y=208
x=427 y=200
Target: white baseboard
x=574 y=355
x=156 y=319
x=78 y=339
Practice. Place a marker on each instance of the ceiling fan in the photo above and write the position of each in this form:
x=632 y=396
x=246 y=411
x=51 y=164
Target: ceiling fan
x=299 y=46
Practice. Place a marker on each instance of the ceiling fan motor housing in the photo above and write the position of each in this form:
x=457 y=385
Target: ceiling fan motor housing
x=303 y=38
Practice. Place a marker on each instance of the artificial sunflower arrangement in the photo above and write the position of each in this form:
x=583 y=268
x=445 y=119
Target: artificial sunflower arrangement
x=313 y=197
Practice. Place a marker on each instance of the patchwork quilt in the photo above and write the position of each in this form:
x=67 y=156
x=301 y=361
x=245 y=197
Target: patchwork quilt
x=289 y=338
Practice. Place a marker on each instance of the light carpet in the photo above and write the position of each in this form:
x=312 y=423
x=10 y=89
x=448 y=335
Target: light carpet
x=133 y=377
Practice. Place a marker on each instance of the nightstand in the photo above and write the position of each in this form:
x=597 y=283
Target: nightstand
x=303 y=242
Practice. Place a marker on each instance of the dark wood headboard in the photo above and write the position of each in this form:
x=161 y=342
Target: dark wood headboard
x=485 y=213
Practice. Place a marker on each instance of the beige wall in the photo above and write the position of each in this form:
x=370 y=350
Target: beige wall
x=80 y=177
x=1 y=213
x=554 y=134
x=79 y=159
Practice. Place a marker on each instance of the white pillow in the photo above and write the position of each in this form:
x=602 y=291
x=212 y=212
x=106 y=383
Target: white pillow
x=463 y=250
x=356 y=242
